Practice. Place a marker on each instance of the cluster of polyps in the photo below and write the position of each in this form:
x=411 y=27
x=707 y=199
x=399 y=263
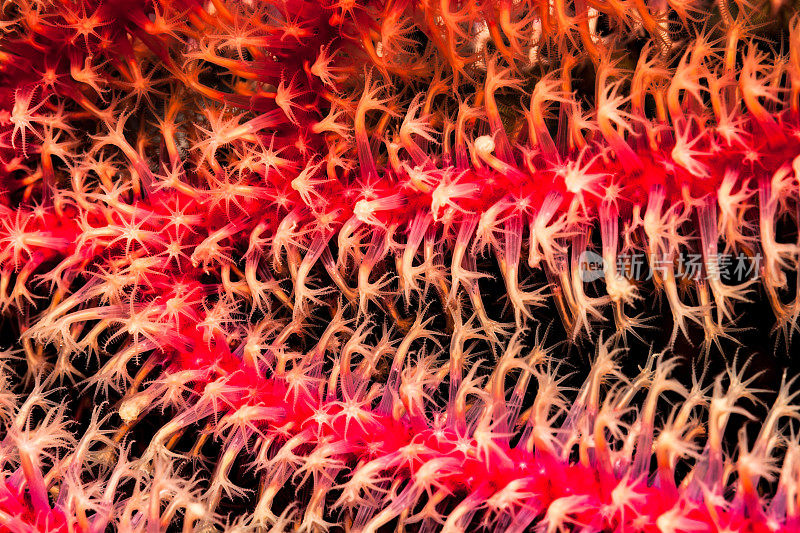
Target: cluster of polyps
x=339 y=444
x=257 y=225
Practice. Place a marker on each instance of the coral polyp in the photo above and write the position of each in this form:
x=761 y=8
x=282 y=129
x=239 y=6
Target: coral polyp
x=286 y=265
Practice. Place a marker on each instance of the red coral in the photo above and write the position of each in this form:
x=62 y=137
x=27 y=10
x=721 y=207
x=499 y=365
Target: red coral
x=275 y=231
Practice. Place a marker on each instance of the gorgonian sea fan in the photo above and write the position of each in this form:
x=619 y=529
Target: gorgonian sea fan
x=251 y=255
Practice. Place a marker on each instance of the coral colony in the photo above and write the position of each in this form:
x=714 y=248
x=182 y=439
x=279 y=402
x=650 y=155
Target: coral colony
x=396 y=265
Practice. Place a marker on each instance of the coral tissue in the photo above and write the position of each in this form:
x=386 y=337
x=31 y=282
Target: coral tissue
x=289 y=265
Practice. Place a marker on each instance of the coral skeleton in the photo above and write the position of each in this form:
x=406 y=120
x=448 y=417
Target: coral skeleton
x=291 y=265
